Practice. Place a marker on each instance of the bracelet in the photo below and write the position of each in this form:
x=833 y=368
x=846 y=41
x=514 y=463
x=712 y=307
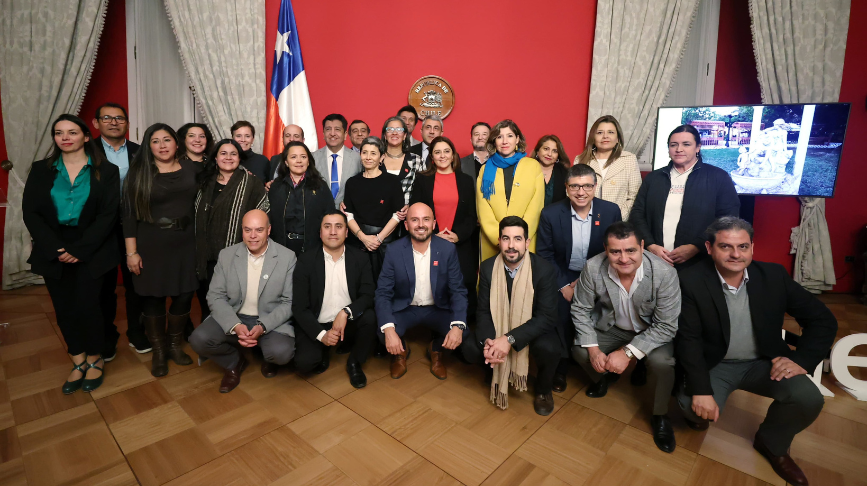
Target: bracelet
x=356 y=233
x=131 y=254
x=377 y=239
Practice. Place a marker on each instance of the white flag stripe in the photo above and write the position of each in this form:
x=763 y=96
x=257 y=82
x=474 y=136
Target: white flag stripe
x=295 y=109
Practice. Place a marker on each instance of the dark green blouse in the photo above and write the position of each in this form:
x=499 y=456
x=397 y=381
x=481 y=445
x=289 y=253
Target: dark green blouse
x=69 y=197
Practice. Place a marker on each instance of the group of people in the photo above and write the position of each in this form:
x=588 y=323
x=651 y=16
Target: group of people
x=501 y=254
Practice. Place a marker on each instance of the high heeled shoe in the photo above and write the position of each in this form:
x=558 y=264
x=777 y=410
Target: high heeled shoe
x=71 y=387
x=88 y=386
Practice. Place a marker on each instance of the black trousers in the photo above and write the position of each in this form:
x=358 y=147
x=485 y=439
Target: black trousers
x=202 y=291
x=76 y=299
x=108 y=299
x=545 y=351
x=309 y=352
x=430 y=316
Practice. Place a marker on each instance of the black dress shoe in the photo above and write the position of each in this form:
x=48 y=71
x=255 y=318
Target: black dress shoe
x=343 y=348
x=543 y=404
x=700 y=426
x=356 y=375
x=663 y=433
x=322 y=367
x=559 y=382
x=600 y=388
x=639 y=374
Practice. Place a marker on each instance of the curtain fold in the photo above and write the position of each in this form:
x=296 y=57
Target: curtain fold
x=221 y=44
x=47 y=52
x=799 y=47
x=636 y=53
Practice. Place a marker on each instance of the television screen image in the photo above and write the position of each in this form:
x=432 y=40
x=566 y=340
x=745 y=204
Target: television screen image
x=784 y=150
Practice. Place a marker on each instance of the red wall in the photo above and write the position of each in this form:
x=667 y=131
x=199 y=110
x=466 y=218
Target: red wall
x=526 y=61
x=736 y=82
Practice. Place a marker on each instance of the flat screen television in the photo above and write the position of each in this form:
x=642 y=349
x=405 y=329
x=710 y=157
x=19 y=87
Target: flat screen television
x=781 y=150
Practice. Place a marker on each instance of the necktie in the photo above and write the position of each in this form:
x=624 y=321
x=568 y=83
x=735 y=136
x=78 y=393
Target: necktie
x=335 y=183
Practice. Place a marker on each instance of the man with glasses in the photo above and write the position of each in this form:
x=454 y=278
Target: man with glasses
x=570 y=233
x=111 y=121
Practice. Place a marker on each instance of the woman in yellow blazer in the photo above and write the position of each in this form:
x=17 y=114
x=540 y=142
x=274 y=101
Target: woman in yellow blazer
x=616 y=169
x=509 y=184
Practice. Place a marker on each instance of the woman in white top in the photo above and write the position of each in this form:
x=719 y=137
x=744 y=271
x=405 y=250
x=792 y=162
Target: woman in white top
x=616 y=169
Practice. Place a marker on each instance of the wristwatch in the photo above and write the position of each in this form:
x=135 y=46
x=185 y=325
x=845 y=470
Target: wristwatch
x=511 y=339
x=628 y=352
x=462 y=327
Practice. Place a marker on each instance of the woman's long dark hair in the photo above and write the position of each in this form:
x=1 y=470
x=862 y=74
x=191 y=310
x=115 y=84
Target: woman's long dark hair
x=182 y=138
x=90 y=148
x=312 y=178
x=212 y=170
x=140 y=178
x=562 y=158
x=432 y=167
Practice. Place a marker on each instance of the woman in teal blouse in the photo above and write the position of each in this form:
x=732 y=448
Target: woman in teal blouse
x=70 y=206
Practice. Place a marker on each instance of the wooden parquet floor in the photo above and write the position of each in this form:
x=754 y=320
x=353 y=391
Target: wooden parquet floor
x=318 y=430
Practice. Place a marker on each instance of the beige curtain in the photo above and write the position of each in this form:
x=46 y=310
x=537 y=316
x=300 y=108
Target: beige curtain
x=222 y=45
x=47 y=51
x=799 y=47
x=636 y=52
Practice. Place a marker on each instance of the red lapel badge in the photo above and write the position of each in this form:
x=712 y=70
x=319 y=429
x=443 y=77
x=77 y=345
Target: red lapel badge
x=597 y=223
x=436 y=263
x=382 y=201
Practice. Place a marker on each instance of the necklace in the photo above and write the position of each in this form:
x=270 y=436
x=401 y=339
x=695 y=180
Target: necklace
x=394 y=156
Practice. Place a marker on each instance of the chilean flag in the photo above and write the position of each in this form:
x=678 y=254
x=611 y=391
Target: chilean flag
x=289 y=100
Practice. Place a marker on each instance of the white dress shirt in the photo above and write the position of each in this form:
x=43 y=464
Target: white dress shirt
x=729 y=288
x=336 y=295
x=626 y=314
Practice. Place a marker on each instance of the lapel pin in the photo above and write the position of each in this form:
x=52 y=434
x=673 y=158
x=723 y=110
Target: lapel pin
x=517 y=184
x=436 y=263
x=265 y=277
x=597 y=223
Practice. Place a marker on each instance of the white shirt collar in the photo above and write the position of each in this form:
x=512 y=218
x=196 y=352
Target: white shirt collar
x=253 y=257
x=425 y=250
x=729 y=287
x=329 y=258
x=108 y=146
x=513 y=273
x=639 y=273
x=339 y=152
x=578 y=217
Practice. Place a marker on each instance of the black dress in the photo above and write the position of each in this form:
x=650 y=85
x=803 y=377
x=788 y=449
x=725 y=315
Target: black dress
x=372 y=201
x=168 y=255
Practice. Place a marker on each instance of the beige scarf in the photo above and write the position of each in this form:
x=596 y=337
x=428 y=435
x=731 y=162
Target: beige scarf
x=508 y=316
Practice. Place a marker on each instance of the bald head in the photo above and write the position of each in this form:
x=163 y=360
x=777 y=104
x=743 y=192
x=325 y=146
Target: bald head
x=255 y=230
x=293 y=133
x=420 y=222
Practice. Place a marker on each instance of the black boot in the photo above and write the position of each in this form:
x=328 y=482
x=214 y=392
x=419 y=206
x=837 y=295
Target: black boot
x=176 y=339
x=155 y=329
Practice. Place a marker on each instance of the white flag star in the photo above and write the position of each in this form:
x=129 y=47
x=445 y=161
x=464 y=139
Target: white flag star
x=282 y=45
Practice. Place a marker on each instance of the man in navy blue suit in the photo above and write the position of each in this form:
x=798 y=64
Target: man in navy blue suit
x=421 y=284
x=570 y=233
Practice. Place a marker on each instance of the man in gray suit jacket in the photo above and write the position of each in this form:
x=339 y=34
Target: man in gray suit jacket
x=625 y=307
x=335 y=162
x=250 y=298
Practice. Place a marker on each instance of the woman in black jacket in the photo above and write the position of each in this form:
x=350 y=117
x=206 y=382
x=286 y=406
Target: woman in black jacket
x=226 y=193
x=70 y=206
x=677 y=203
x=299 y=198
x=451 y=195
x=552 y=158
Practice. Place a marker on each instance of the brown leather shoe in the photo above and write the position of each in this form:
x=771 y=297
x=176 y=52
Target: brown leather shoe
x=269 y=370
x=543 y=404
x=437 y=366
x=398 y=363
x=232 y=378
x=784 y=465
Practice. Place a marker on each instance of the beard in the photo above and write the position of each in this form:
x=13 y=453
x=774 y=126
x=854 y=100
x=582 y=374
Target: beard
x=478 y=148
x=420 y=238
x=515 y=257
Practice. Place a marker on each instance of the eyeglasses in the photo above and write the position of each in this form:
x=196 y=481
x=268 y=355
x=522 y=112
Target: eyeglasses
x=394 y=130
x=586 y=187
x=109 y=119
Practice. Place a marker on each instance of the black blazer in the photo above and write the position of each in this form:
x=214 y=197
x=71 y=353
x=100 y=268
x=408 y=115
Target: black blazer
x=257 y=164
x=554 y=236
x=558 y=178
x=704 y=328
x=273 y=164
x=131 y=148
x=96 y=245
x=317 y=202
x=309 y=287
x=708 y=195
x=544 y=303
x=416 y=149
x=465 y=215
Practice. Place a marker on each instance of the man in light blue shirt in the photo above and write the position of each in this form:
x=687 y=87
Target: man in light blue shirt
x=112 y=122
x=582 y=222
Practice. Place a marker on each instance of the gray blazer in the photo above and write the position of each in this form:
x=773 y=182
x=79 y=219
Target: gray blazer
x=657 y=299
x=468 y=166
x=229 y=287
x=351 y=166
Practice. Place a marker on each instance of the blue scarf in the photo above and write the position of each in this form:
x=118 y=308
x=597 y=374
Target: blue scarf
x=495 y=162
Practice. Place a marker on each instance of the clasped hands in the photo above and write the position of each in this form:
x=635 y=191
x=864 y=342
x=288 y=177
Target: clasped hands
x=65 y=257
x=496 y=350
x=679 y=255
x=248 y=337
x=337 y=331
x=615 y=362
